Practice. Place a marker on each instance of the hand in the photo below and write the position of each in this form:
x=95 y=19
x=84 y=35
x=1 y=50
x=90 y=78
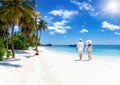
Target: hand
x=84 y=49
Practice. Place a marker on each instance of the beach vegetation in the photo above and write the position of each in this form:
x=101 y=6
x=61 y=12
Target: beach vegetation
x=4 y=34
x=36 y=15
x=42 y=26
x=20 y=13
x=8 y=54
x=2 y=49
x=11 y=11
x=32 y=40
x=27 y=30
x=19 y=43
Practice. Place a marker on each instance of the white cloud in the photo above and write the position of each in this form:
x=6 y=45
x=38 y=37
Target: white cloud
x=59 y=27
x=117 y=33
x=86 y=6
x=83 y=31
x=109 y=26
x=63 y=13
x=83 y=5
x=48 y=19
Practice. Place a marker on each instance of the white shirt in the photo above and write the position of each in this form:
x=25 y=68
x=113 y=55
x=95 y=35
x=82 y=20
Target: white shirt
x=80 y=46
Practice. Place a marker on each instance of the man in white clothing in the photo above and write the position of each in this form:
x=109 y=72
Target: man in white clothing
x=80 y=48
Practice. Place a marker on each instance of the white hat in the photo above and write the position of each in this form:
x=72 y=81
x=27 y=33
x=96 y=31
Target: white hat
x=89 y=41
x=80 y=39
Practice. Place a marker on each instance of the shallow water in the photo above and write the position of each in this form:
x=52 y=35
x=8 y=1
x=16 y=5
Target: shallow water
x=100 y=51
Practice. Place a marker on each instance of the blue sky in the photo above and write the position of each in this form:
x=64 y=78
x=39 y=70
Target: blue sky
x=70 y=20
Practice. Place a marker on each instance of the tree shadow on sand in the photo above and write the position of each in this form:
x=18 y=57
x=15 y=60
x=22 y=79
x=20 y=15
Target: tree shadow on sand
x=24 y=53
x=21 y=52
x=9 y=64
x=12 y=59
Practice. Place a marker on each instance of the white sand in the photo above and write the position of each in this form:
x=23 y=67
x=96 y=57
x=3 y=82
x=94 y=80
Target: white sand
x=51 y=68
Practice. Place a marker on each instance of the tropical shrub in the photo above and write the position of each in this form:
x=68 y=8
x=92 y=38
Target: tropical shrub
x=2 y=49
x=19 y=43
x=8 y=54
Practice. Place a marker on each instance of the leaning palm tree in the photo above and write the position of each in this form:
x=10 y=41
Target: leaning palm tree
x=42 y=26
x=36 y=15
x=12 y=10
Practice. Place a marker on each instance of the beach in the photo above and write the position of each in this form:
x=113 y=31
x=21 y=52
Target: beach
x=55 y=68
x=41 y=42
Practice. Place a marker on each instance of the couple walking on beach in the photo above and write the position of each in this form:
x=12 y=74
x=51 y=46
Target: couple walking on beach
x=80 y=48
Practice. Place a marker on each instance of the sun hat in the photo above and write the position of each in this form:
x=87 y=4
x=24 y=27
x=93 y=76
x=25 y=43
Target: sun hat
x=89 y=41
x=80 y=39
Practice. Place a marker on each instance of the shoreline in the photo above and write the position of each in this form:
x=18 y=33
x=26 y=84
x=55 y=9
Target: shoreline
x=96 y=70
x=54 y=68
x=102 y=58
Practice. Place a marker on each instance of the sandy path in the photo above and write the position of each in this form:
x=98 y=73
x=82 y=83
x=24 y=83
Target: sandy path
x=28 y=69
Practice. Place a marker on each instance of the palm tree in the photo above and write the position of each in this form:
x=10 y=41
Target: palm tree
x=26 y=28
x=42 y=26
x=12 y=10
x=32 y=39
x=36 y=15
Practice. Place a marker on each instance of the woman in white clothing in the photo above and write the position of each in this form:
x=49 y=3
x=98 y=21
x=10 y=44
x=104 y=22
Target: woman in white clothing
x=89 y=49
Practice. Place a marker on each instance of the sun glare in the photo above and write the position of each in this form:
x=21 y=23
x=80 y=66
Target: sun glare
x=112 y=7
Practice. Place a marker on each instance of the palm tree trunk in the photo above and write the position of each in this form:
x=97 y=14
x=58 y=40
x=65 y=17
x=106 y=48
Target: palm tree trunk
x=36 y=38
x=7 y=38
x=25 y=41
x=36 y=43
x=40 y=36
x=13 y=54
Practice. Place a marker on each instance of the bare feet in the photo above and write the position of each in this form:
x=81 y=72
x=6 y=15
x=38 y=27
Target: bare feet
x=90 y=59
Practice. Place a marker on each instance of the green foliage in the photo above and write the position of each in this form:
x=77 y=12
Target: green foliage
x=1 y=43
x=32 y=40
x=2 y=52
x=8 y=54
x=2 y=49
x=26 y=46
x=19 y=43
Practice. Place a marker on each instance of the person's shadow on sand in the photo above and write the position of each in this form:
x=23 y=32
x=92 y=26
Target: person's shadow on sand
x=82 y=60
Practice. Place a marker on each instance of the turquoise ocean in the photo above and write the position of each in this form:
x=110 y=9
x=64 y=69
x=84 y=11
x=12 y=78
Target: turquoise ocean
x=98 y=51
